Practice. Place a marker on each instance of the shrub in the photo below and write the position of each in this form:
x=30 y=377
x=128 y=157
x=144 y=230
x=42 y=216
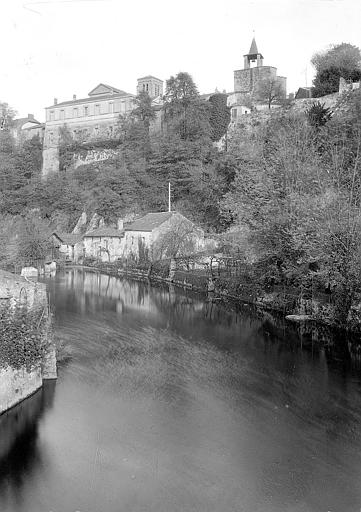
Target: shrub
x=22 y=338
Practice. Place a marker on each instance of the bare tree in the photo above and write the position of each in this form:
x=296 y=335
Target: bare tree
x=180 y=240
x=269 y=90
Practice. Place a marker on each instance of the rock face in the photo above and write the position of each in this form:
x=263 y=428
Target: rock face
x=80 y=225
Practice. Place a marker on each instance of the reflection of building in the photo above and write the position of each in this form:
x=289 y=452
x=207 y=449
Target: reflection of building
x=248 y=80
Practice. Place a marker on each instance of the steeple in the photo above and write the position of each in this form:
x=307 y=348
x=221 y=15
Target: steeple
x=253 y=56
x=253 y=50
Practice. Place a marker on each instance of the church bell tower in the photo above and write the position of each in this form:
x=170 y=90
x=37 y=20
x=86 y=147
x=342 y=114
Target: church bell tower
x=253 y=56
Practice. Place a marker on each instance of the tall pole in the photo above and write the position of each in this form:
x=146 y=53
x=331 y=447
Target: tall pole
x=169 y=205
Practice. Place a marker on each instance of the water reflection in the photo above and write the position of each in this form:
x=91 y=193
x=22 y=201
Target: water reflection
x=20 y=455
x=174 y=403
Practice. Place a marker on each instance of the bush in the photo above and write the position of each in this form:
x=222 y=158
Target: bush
x=22 y=338
x=90 y=261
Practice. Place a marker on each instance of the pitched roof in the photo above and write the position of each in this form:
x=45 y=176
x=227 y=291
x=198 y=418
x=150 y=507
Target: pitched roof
x=23 y=120
x=110 y=89
x=149 y=222
x=104 y=232
x=92 y=99
x=253 y=49
x=150 y=76
x=68 y=238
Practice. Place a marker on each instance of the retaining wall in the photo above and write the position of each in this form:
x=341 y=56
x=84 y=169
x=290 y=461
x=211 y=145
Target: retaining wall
x=16 y=385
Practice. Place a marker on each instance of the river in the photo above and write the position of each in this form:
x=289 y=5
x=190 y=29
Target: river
x=168 y=402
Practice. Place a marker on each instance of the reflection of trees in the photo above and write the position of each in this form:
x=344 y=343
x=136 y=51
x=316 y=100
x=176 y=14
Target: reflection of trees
x=19 y=451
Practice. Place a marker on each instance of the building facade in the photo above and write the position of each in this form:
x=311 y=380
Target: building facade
x=94 y=117
x=26 y=128
x=134 y=241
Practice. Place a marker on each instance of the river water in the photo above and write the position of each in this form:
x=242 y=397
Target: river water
x=171 y=403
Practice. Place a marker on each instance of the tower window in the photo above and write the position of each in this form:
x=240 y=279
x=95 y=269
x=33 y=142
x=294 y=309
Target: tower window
x=147 y=87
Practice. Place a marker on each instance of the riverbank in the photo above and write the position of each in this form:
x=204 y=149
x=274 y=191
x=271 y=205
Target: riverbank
x=289 y=302
x=27 y=350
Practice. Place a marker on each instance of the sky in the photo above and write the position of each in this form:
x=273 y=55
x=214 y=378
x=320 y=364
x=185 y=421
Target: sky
x=57 y=48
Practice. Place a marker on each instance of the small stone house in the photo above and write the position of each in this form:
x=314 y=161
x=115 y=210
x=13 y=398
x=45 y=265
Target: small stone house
x=105 y=244
x=70 y=246
x=143 y=233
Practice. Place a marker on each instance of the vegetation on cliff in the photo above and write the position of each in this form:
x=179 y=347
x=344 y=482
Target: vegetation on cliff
x=341 y=60
x=288 y=188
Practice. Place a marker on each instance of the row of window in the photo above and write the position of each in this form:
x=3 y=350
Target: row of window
x=85 y=111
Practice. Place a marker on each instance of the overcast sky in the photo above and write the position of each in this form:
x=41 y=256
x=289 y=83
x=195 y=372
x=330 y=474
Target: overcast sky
x=58 y=48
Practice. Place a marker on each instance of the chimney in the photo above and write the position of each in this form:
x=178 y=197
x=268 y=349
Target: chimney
x=120 y=223
x=30 y=116
x=55 y=101
x=74 y=96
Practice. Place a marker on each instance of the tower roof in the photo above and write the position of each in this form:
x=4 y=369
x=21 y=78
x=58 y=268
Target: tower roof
x=253 y=51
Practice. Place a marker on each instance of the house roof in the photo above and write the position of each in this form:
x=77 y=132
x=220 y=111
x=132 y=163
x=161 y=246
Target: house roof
x=104 y=232
x=110 y=88
x=92 y=99
x=149 y=222
x=23 y=120
x=68 y=238
x=253 y=51
x=150 y=76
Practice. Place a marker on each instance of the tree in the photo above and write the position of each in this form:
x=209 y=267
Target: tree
x=7 y=115
x=342 y=60
x=220 y=115
x=144 y=111
x=269 y=90
x=180 y=240
x=33 y=241
x=185 y=112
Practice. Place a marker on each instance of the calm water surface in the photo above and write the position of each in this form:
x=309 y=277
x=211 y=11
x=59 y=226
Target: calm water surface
x=171 y=403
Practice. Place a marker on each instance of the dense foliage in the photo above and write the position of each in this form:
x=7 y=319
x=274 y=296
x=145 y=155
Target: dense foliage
x=287 y=191
x=342 y=60
x=22 y=338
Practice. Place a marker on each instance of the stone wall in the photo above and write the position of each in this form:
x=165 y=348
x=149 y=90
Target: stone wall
x=15 y=385
x=18 y=289
x=105 y=248
x=245 y=80
x=50 y=161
